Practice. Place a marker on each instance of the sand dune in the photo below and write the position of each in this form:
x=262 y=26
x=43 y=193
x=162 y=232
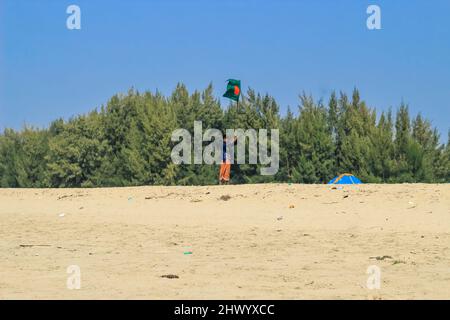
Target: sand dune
x=274 y=241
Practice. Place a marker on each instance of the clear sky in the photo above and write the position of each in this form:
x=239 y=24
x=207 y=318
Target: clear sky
x=279 y=47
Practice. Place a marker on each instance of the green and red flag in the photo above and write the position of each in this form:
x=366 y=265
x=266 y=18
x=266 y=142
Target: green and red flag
x=233 y=89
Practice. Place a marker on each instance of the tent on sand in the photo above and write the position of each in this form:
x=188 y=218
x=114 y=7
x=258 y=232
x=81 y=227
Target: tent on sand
x=345 y=178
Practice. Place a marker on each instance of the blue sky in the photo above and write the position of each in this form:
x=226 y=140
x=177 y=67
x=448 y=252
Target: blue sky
x=279 y=47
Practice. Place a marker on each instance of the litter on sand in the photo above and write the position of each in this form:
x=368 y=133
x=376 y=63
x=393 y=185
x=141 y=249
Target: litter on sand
x=170 y=276
x=61 y=215
x=381 y=258
x=187 y=250
x=225 y=197
x=412 y=205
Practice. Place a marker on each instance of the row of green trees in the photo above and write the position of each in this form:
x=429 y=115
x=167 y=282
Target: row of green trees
x=128 y=142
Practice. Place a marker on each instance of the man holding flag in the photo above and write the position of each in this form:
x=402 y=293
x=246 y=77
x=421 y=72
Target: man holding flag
x=233 y=92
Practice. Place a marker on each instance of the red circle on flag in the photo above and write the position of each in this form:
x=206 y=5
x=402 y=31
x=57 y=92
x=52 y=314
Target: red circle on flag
x=236 y=90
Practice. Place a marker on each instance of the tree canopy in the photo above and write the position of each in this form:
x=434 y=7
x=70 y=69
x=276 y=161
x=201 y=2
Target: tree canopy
x=128 y=142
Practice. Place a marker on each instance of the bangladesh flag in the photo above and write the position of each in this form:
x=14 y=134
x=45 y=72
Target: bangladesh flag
x=233 y=89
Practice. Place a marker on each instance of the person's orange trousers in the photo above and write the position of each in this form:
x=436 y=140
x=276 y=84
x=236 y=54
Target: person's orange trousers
x=225 y=169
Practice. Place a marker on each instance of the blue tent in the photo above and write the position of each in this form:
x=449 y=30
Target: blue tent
x=345 y=178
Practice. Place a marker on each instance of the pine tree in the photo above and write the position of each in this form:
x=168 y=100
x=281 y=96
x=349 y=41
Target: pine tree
x=289 y=152
x=403 y=147
x=316 y=162
x=382 y=151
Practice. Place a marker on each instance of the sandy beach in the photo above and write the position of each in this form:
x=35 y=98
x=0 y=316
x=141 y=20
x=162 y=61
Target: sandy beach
x=273 y=241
